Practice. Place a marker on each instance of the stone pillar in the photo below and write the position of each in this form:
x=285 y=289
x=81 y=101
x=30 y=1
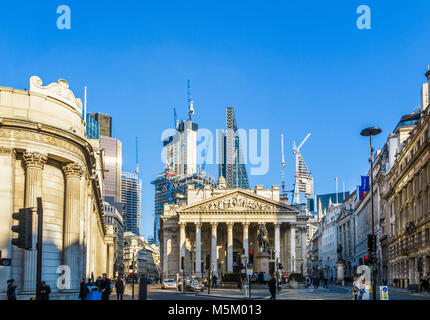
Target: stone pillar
x=71 y=237
x=245 y=238
x=7 y=181
x=277 y=243
x=214 y=253
x=182 y=245
x=230 y=246
x=165 y=255
x=303 y=241
x=198 y=248
x=293 y=247
x=34 y=162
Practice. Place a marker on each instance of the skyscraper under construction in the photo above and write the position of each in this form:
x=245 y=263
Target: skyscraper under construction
x=231 y=163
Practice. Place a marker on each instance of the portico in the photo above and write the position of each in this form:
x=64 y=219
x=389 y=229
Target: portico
x=215 y=233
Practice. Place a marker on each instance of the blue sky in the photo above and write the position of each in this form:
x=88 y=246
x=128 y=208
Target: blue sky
x=290 y=66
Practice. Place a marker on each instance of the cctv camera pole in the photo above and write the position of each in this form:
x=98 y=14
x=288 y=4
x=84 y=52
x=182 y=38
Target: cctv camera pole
x=39 y=247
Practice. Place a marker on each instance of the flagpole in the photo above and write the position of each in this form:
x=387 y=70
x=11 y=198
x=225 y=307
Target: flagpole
x=337 y=201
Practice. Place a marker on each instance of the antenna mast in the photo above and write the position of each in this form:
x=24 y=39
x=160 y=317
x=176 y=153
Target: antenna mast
x=137 y=159
x=190 y=101
x=283 y=165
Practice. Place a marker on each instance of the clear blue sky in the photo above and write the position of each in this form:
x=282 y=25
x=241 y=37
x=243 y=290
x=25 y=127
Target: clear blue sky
x=290 y=66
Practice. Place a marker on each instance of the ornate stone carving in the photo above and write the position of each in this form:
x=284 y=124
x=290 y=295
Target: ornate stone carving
x=35 y=159
x=6 y=150
x=237 y=202
x=58 y=90
x=73 y=170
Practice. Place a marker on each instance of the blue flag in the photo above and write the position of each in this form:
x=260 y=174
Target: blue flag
x=365 y=183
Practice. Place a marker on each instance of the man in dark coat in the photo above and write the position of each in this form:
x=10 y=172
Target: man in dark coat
x=44 y=291
x=105 y=284
x=119 y=287
x=11 y=287
x=83 y=289
x=272 y=287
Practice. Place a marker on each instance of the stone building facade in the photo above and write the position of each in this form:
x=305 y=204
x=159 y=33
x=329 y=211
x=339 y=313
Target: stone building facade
x=217 y=226
x=45 y=153
x=408 y=208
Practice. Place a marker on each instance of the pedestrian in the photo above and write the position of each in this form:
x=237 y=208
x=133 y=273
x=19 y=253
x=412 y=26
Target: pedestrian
x=83 y=289
x=105 y=285
x=119 y=287
x=325 y=283
x=11 y=288
x=355 y=288
x=272 y=287
x=362 y=287
x=98 y=283
x=214 y=281
x=44 y=291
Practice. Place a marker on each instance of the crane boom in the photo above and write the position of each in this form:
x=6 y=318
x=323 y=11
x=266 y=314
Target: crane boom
x=304 y=140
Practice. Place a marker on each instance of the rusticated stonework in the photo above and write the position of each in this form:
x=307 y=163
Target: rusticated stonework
x=35 y=159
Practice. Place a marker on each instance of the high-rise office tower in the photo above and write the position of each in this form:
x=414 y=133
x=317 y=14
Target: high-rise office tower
x=231 y=164
x=113 y=161
x=105 y=123
x=180 y=149
x=92 y=127
x=131 y=188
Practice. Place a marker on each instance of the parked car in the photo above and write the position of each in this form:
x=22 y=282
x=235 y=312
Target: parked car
x=169 y=284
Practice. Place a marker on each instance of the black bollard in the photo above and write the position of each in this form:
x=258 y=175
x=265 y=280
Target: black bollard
x=143 y=293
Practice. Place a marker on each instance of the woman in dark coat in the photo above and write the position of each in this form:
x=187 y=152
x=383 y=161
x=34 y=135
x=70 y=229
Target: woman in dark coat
x=83 y=290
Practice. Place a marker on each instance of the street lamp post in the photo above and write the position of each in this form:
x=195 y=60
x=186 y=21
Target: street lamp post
x=370 y=132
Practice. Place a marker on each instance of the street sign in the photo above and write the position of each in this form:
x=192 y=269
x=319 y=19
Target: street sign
x=383 y=293
x=249 y=272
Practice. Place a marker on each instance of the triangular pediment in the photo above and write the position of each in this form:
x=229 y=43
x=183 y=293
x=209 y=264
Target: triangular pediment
x=238 y=200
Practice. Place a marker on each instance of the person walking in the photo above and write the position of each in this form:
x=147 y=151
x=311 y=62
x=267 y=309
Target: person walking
x=325 y=283
x=214 y=281
x=105 y=285
x=272 y=287
x=362 y=287
x=355 y=288
x=83 y=289
x=11 y=289
x=44 y=291
x=119 y=288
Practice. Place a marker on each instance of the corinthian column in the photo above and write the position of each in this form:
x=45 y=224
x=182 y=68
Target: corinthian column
x=34 y=162
x=303 y=240
x=277 y=242
x=182 y=245
x=293 y=247
x=198 y=248
x=71 y=246
x=230 y=246
x=214 y=247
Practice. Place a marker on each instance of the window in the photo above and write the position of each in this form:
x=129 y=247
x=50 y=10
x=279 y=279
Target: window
x=427 y=236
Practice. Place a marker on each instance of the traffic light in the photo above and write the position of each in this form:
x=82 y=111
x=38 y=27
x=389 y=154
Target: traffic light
x=367 y=260
x=24 y=228
x=251 y=257
x=371 y=243
x=280 y=266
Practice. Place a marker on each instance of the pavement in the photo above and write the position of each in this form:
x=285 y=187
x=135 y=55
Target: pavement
x=334 y=292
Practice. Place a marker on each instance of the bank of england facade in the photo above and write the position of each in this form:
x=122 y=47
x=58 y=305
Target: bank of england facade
x=215 y=227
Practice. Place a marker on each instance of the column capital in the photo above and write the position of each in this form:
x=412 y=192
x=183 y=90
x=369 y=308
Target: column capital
x=229 y=223
x=73 y=170
x=35 y=159
x=198 y=223
x=277 y=223
x=246 y=223
x=214 y=224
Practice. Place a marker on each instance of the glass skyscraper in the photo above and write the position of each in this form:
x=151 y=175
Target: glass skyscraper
x=230 y=157
x=131 y=189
